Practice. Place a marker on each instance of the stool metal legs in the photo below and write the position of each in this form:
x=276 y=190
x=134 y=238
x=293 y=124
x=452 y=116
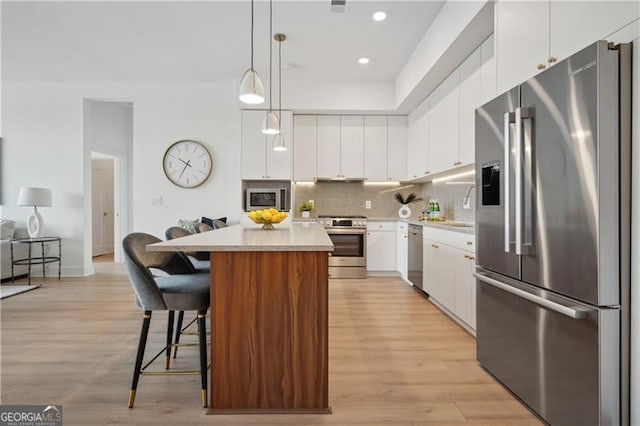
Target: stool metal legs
x=139 y=369
x=202 y=332
x=167 y=358
x=141 y=345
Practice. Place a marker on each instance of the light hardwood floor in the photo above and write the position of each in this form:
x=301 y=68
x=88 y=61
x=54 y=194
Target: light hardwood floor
x=395 y=359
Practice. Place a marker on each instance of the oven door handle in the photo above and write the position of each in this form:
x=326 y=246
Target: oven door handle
x=345 y=231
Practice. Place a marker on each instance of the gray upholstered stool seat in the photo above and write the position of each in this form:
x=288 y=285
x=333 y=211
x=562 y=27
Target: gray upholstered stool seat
x=188 y=292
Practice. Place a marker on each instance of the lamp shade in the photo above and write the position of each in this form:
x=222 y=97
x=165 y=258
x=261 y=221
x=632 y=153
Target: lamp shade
x=271 y=124
x=279 y=143
x=30 y=196
x=251 y=88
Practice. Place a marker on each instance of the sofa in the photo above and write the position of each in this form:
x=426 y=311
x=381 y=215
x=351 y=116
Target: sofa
x=7 y=232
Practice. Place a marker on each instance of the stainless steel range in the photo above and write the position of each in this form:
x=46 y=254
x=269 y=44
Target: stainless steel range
x=349 y=237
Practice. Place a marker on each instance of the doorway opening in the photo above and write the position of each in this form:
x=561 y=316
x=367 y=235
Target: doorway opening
x=102 y=207
x=108 y=141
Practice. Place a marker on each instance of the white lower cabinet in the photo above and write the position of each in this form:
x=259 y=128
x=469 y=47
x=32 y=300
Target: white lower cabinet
x=464 y=299
x=437 y=272
x=381 y=246
x=448 y=264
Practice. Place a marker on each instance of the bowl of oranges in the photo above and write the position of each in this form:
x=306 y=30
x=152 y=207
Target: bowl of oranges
x=267 y=217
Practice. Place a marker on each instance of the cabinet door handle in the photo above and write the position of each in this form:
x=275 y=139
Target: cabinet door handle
x=466 y=256
x=541 y=66
x=469 y=243
x=552 y=59
x=435 y=246
x=427 y=173
x=457 y=163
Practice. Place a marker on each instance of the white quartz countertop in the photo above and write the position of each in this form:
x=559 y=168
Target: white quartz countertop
x=463 y=227
x=285 y=237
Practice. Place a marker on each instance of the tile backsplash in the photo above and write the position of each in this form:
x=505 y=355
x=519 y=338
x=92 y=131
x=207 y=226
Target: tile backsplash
x=450 y=200
x=349 y=198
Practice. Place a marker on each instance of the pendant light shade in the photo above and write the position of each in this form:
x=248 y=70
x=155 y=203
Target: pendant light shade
x=279 y=143
x=251 y=87
x=271 y=124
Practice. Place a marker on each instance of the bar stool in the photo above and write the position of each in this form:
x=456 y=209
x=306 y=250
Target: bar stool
x=181 y=290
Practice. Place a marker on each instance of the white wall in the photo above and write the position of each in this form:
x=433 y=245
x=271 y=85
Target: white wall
x=44 y=146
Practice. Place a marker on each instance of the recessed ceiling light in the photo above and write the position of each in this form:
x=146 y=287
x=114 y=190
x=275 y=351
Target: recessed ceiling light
x=379 y=16
x=363 y=60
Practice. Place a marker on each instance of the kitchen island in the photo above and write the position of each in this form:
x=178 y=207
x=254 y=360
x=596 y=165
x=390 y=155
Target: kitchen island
x=269 y=317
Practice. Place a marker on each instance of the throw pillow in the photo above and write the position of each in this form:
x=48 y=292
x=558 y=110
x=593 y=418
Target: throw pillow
x=7 y=228
x=188 y=224
x=217 y=224
x=211 y=222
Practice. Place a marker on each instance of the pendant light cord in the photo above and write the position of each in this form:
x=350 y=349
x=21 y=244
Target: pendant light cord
x=270 y=53
x=280 y=84
x=251 y=34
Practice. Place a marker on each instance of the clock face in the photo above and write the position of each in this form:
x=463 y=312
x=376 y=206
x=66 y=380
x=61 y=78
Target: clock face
x=187 y=163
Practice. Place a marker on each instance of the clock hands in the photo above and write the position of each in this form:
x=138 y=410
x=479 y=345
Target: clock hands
x=186 y=164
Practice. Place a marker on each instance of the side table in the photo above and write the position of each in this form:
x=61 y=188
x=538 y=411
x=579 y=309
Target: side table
x=39 y=260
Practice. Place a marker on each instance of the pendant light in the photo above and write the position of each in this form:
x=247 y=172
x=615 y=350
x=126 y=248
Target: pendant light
x=279 y=142
x=271 y=124
x=251 y=88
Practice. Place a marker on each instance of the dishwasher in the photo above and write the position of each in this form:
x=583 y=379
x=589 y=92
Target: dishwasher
x=414 y=266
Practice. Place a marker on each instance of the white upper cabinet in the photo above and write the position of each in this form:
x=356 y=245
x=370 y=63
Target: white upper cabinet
x=375 y=147
x=352 y=146
x=417 y=138
x=328 y=152
x=577 y=24
x=396 y=147
x=259 y=161
x=443 y=150
x=534 y=35
x=470 y=99
x=305 y=140
x=523 y=41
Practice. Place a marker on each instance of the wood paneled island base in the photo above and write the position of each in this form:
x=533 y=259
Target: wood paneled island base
x=269 y=332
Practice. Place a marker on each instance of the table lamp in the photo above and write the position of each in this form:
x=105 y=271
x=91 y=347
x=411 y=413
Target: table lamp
x=36 y=197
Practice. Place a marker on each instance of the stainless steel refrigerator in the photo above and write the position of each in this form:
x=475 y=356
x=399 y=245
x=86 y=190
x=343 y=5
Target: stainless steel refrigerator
x=552 y=218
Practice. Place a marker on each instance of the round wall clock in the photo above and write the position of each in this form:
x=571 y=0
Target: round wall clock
x=187 y=163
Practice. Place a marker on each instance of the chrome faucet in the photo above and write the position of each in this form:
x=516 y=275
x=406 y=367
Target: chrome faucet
x=466 y=201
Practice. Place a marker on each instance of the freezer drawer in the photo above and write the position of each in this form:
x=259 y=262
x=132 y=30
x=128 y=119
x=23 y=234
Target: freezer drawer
x=566 y=369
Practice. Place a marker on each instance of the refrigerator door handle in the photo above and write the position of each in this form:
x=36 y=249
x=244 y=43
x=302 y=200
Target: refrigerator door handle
x=569 y=311
x=509 y=118
x=522 y=248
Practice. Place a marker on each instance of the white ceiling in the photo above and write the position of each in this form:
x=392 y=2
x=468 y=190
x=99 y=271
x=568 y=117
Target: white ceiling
x=206 y=41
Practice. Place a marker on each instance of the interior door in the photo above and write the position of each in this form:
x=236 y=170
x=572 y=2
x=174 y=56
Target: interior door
x=495 y=183
x=570 y=178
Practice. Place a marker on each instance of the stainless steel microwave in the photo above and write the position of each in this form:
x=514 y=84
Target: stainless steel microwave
x=266 y=198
